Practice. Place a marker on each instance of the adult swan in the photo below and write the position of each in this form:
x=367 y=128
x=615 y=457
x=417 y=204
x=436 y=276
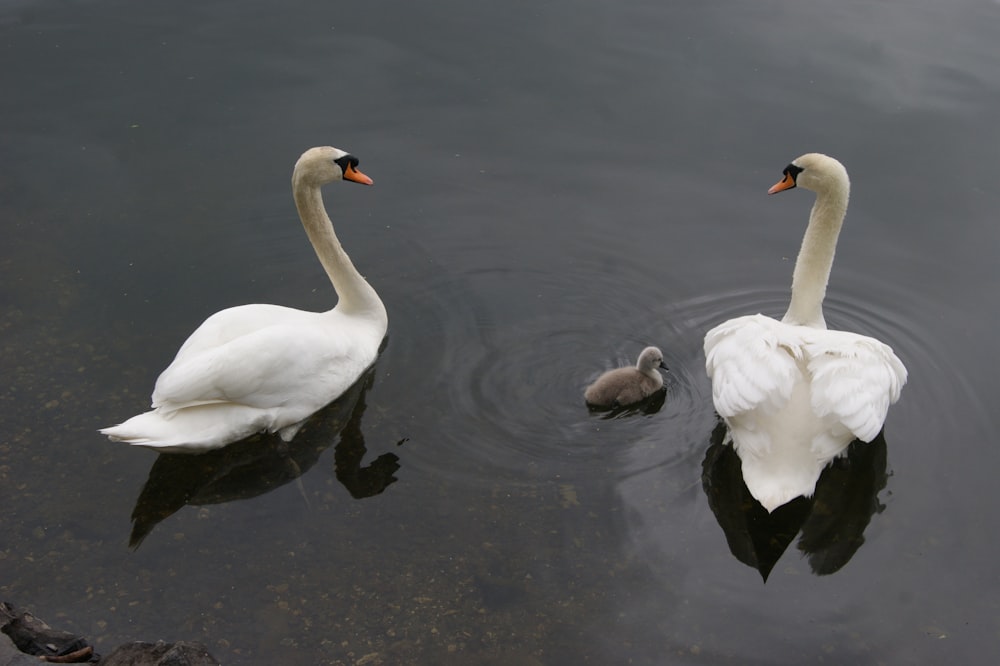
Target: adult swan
x=267 y=367
x=793 y=393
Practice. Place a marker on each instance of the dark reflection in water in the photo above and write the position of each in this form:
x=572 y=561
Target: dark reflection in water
x=263 y=462
x=832 y=521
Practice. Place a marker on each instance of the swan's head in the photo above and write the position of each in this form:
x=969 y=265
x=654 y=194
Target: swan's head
x=650 y=359
x=813 y=171
x=325 y=164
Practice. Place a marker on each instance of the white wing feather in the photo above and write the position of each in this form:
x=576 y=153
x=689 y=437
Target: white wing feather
x=752 y=365
x=855 y=378
x=291 y=365
x=251 y=368
x=795 y=396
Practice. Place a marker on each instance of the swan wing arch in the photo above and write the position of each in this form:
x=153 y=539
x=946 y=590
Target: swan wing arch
x=752 y=365
x=854 y=378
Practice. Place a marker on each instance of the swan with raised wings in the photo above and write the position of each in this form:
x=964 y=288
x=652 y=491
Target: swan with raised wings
x=261 y=367
x=793 y=393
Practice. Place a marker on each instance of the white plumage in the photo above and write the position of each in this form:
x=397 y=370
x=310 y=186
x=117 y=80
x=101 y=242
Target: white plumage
x=793 y=393
x=266 y=367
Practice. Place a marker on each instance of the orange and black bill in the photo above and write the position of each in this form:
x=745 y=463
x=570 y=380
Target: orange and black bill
x=352 y=173
x=788 y=182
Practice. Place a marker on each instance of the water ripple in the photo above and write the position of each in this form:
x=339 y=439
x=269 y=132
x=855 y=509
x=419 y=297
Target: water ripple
x=501 y=390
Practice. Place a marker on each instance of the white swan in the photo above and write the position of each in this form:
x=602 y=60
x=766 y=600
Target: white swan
x=793 y=393
x=627 y=386
x=266 y=367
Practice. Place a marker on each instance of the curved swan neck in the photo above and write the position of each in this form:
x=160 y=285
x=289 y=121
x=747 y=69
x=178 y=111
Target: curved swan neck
x=355 y=295
x=815 y=260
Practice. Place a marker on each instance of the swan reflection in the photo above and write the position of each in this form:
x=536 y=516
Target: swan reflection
x=264 y=462
x=832 y=522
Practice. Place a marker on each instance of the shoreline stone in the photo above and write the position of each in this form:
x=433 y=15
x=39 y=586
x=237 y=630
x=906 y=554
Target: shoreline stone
x=27 y=639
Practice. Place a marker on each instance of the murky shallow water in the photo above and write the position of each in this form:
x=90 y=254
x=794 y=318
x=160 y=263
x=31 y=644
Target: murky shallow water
x=556 y=187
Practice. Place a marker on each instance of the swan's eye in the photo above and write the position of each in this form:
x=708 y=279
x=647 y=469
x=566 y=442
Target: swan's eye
x=793 y=171
x=346 y=161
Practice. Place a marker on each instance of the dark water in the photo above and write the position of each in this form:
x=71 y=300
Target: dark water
x=557 y=185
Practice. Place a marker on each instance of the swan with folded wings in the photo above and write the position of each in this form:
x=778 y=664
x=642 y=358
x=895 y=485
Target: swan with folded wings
x=261 y=367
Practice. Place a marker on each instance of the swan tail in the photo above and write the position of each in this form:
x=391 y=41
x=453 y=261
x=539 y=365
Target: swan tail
x=775 y=482
x=191 y=430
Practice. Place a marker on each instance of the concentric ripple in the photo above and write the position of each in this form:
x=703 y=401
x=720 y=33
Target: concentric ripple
x=488 y=368
x=503 y=388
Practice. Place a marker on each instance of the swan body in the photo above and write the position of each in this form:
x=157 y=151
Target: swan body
x=260 y=367
x=793 y=393
x=626 y=386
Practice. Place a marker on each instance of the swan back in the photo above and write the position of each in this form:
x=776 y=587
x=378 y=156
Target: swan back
x=794 y=398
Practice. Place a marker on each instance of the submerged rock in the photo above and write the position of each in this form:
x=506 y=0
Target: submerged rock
x=180 y=653
x=11 y=656
x=31 y=636
x=28 y=640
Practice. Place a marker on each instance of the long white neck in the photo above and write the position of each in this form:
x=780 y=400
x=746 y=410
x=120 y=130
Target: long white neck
x=355 y=295
x=815 y=260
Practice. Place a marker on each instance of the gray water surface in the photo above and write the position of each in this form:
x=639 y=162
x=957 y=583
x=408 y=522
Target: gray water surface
x=557 y=185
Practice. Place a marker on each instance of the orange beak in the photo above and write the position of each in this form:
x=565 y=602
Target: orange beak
x=353 y=174
x=785 y=183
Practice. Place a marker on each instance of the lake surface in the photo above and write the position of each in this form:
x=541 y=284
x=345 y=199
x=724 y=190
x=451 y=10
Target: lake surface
x=557 y=185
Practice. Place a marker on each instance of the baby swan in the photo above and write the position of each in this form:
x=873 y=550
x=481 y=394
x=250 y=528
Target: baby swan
x=627 y=386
